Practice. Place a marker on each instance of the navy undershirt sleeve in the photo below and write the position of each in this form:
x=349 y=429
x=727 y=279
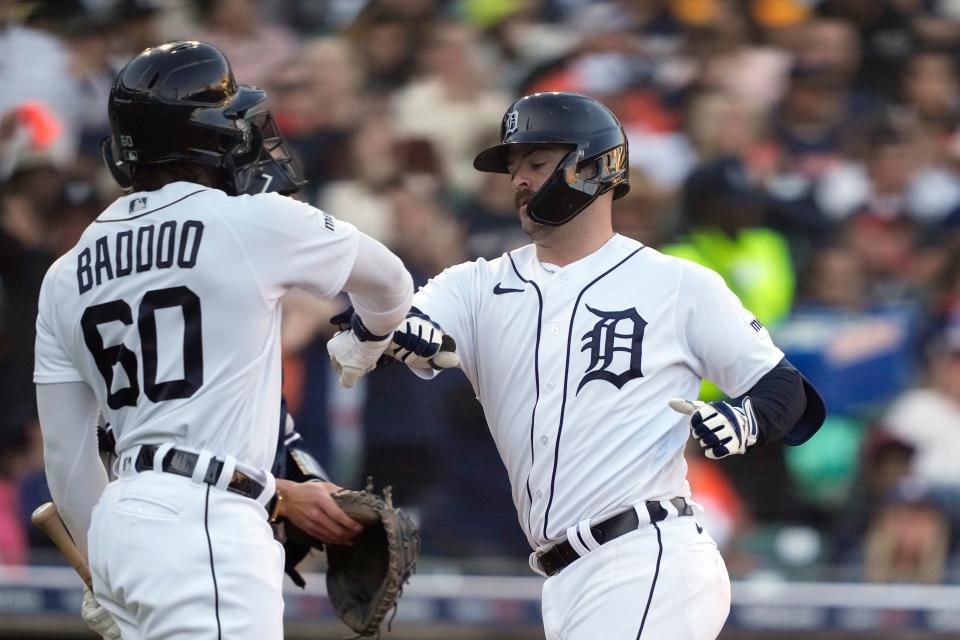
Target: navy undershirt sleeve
x=779 y=401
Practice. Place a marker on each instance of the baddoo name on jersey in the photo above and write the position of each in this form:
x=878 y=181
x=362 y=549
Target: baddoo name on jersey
x=117 y=255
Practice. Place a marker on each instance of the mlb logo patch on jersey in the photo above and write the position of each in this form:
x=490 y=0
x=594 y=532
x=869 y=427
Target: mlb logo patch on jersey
x=138 y=204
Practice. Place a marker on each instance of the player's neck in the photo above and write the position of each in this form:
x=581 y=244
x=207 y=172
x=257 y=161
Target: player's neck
x=575 y=240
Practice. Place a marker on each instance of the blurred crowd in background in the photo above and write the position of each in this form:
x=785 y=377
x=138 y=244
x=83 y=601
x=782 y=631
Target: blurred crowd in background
x=808 y=151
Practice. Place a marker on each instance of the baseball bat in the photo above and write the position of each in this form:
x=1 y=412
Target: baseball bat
x=47 y=518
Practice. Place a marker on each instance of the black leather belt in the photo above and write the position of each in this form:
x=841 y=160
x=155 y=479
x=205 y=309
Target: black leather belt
x=562 y=554
x=183 y=463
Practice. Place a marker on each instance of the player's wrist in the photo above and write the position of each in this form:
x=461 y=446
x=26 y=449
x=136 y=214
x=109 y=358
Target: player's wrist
x=364 y=334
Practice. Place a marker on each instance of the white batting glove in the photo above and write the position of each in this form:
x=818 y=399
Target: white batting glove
x=721 y=428
x=352 y=358
x=419 y=342
x=98 y=618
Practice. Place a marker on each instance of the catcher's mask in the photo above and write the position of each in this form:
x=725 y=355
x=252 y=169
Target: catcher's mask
x=179 y=103
x=597 y=161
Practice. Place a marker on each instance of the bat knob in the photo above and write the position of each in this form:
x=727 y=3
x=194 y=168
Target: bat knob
x=688 y=407
x=43 y=513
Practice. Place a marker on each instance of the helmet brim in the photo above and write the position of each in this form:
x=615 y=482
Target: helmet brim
x=496 y=158
x=245 y=99
x=493 y=160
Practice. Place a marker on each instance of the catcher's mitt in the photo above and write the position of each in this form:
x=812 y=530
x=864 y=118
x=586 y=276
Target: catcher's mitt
x=364 y=581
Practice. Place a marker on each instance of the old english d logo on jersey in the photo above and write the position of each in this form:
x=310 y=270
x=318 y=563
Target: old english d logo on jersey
x=614 y=331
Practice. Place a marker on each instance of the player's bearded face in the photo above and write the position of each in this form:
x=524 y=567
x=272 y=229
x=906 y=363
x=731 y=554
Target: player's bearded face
x=529 y=226
x=522 y=197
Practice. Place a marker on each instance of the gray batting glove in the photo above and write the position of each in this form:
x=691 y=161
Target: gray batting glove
x=419 y=342
x=721 y=428
x=98 y=618
x=352 y=358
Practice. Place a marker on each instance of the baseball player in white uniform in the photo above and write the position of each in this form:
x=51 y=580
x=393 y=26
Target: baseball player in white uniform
x=582 y=347
x=165 y=318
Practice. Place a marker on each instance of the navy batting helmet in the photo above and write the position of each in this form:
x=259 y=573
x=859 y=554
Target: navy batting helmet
x=596 y=140
x=179 y=103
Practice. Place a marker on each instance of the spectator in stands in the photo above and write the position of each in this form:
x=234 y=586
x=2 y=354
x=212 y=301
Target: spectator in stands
x=92 y=70
x=646 y=214
x=36 y=68
x=451 y=103
x=810 y=123
x=20 y=453
x=363 y=193
x=386 y=40
x=882 y=179
x=860 y=352
x=890 y=31
x=725 y=232
x=25 y=255
x=885 y=463
x=832 y=45
x=36 y=63
x=930 y=90
x=753 y=70
x=888 y=249
x=931 y=102
x=317 y=104
x=514 y=40
x=908 y=539
x=427 y=236
x=255 y=46
x=943 y=306
x=928 y=417
x=721 y=124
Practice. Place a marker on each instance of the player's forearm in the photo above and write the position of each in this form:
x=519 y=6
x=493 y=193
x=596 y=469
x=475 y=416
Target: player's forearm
x=779 y=401
x=68 y=419
x=380 y=287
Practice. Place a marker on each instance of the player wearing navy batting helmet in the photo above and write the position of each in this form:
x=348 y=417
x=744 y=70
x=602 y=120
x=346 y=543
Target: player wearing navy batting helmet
x=584 y=348
x=165 y=319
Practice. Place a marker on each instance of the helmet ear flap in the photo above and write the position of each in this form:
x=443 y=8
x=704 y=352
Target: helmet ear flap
x=576 y=183
x=118 y=169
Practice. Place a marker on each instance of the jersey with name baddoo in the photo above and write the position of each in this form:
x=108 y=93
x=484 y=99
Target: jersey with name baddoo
x=168 y=307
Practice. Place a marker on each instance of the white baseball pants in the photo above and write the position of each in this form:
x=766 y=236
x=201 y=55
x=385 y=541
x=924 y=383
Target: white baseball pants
x=664 y=580
x=176 y=559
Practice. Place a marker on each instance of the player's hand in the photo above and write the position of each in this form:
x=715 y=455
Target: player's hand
x=309 y=506
x=419 y=342
x=721 y=428
x=352 y=358
x=98 y=618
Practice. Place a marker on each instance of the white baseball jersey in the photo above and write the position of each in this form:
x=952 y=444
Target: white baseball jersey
x=168 y=307
x=574 y=367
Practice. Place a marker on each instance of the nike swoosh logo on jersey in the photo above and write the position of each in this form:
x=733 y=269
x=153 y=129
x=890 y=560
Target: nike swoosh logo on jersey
x=498 y=290
x=699 y=528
